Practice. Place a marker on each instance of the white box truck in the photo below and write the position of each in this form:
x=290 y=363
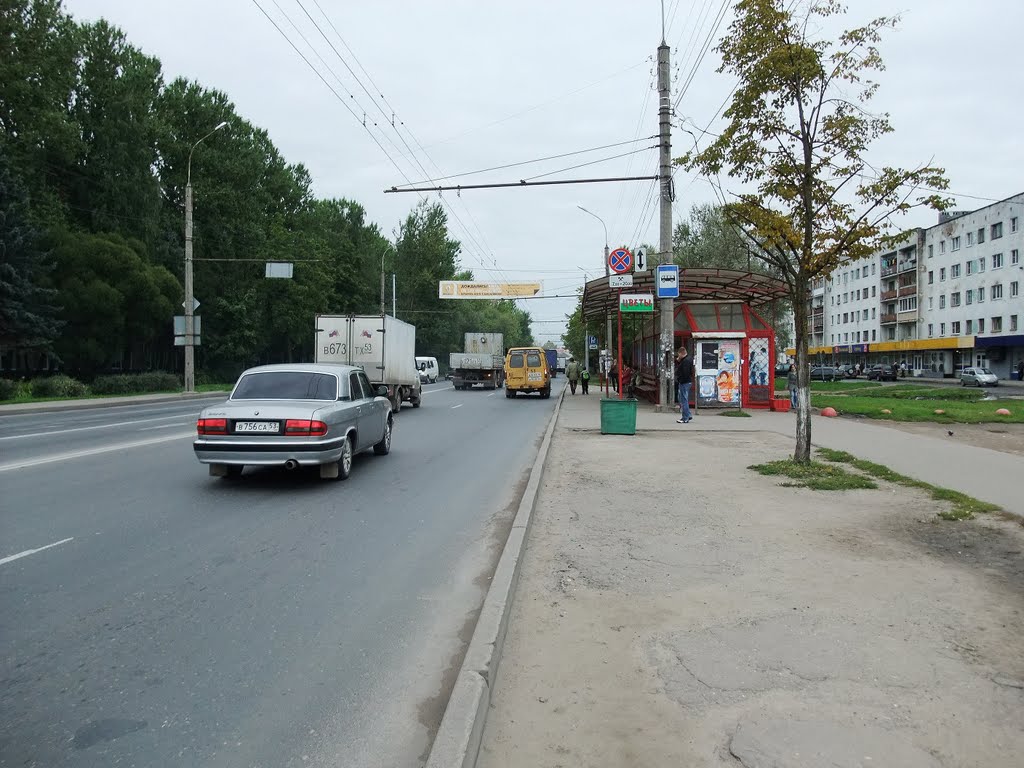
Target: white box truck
x=483 y=362
x=383 y=346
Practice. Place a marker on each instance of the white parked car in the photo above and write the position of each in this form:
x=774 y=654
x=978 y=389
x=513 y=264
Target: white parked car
x=978 y=377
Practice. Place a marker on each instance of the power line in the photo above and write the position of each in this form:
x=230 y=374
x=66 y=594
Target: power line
x=521 y=183
x=704 y=50
x=592 y=162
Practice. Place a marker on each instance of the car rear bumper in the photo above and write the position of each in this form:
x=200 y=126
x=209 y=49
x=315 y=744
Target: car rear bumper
x=268 y=454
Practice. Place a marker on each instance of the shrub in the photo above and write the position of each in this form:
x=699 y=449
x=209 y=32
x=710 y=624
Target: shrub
x=58 y=386
x=8 y=389
x=128 y=384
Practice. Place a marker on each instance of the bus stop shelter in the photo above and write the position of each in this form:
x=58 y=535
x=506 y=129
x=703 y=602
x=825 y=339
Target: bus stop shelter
x=718 y=317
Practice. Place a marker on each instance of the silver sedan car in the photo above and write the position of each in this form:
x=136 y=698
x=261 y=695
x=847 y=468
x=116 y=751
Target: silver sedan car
x=295 y=415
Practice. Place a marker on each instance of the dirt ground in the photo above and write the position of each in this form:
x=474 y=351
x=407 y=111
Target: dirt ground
x=677 y=609
x=1008 y=438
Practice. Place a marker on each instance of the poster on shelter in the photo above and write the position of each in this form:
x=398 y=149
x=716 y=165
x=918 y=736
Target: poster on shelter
x=728 y=378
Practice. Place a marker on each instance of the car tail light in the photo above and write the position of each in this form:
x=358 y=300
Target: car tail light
x=212 y=426
x=304 y=428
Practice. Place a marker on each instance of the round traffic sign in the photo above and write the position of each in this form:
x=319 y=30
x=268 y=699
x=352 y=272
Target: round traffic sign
x=620 y=260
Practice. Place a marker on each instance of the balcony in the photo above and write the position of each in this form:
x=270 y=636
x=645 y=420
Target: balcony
x=907 y=266
x=889 y=319
x=908 y=290
x=888 y=295
x=819 y=326
x=888 y=270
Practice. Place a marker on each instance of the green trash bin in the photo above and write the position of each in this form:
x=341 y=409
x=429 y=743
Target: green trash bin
x=618 y=417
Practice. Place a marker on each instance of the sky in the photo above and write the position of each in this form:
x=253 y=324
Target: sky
x=474 y=85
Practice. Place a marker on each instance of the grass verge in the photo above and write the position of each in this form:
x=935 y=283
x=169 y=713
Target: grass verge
x=735 y=413
x=830 y=386
x=954 y=411
x=814 y=475
x=964 y=507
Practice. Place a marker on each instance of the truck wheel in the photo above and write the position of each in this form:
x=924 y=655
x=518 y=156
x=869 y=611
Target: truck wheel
x=510 y=393
x=416 y=402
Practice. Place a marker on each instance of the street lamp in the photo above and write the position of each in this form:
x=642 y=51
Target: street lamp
x=190 y=339
x=607 y=273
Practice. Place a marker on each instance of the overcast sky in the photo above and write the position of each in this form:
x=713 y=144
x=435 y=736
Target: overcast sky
x=480 y=84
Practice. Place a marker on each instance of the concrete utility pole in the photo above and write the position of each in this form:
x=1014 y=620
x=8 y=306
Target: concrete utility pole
x=190 y=299
x=665 y=256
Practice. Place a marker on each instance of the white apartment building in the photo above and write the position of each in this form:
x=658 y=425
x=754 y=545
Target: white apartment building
x=942 y=298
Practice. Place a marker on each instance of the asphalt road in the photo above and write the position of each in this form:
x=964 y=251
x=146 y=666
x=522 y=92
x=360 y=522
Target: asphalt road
x=278 y=620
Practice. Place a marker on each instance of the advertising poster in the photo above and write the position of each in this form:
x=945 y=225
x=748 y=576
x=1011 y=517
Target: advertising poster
x=728 y=379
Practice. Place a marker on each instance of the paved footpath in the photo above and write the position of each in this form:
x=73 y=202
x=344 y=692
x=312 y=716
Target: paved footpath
x=675 y=608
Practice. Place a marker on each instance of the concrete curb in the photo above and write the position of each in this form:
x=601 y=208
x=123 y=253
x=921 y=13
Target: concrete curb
x=457 y=743
x=112 y=402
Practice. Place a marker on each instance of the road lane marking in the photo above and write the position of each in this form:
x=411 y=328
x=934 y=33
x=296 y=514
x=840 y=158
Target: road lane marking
x=457 y=406
x=166 y=426
x=28 y=552
x=94 y=426
x=92 y=451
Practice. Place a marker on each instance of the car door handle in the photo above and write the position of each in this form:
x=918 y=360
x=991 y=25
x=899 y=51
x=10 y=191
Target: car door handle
x=359 y=410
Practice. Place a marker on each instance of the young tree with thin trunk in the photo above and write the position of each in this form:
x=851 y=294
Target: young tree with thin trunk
x=797 y=138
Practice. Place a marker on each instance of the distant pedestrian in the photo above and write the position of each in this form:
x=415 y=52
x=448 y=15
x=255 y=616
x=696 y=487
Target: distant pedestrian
x=684 y=381
x=903 y=369
x=791 y=383
x=585 y=379
x=613 y=375
x=572 y=372
x=1020 y=371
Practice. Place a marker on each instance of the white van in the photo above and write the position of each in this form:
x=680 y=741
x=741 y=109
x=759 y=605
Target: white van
x=428 y=369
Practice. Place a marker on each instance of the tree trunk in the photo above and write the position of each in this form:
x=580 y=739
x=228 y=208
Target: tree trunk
x=803 y=395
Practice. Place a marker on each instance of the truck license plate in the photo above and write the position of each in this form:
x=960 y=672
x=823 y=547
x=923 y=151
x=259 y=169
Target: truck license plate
x=257 y=426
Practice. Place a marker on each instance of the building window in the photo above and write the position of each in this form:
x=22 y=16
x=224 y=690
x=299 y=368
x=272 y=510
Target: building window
x=931 y=330
x=874 y=291
x=931 y=251
x=874 y=333
x=942 y=275
x=858 y=337
x=970 y=270
x=856 y=274
x=955 y=328
x=873 y=269
x=956 y=243
x=981 y=236
x=1014 y=257
x=890 y=334
x=981 y=295
x=909 y=304
x=942 y=246
x=846 y=317
x=942 y=301
x=931 y=277
x=970 y=239
x=997 y=261
x=997 y=230
x=969 y=296
x=997 y=325
x=970 y=327
x=1013 y=322
x=981 y=264
x=1014 y=289
x=874 y=312
x=865 y=315
x=942 y=329
x=1013 y=224
x=858 y=294
x=931 y=304
x=997 y=291
x=954 y=299
x=981 y=325
x=954 y=271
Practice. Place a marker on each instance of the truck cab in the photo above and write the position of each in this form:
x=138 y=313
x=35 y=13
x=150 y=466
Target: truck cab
x=527 y=370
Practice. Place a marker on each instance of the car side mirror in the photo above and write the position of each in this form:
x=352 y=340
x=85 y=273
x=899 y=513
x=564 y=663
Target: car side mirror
x=382 y=390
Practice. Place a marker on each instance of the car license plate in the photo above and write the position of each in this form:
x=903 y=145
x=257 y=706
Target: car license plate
x=534 y=376
x=257 y=426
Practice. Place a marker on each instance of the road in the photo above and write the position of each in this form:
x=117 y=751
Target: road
x=155 y=616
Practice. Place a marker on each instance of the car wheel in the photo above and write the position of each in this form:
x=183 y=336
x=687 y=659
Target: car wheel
x=383 y=448
x=510 y=393
x=345 y=462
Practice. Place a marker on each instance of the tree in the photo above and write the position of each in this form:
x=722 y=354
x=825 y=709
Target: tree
x=28 y=309
x=797 y=135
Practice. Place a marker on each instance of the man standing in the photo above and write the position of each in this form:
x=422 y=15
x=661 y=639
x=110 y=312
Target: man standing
x=585 y=380
x=684 y=381
x=1020 y=371
x=572 y=372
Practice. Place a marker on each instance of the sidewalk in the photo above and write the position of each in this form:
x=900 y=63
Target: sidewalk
x=675 y=608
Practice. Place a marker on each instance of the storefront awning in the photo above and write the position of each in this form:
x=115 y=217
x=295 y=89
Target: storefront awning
x=752 y=288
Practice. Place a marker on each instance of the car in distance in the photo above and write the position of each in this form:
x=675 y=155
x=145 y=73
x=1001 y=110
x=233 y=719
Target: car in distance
x=823 y=373
x=978 y=377
x=527 y=370
x=291 y=416
x=881 y=372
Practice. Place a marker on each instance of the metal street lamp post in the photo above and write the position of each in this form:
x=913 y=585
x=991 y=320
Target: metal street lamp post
x=607 y=273
x=190 y=339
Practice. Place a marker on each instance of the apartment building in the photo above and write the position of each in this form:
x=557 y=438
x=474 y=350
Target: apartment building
x=942 y=298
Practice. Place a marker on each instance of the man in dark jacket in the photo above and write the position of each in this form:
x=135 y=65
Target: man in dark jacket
x=684 y=381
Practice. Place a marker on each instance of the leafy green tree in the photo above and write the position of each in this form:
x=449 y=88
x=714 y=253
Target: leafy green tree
x=28 y=309
x=797 y=138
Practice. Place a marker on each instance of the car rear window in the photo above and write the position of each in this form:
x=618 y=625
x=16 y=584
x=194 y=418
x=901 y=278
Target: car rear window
x=286 y=385
x=515 y=360
x=533 y=359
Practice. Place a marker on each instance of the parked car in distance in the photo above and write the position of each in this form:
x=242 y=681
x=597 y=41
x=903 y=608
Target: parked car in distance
x=823 y=373
x=782 y=369
x=880 y=372
x=319 y=414
x=845 y=371
x=978 y=377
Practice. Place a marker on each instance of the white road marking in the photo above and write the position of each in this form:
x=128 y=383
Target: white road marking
x=457 y=406
x=94 y=426
x=28 y=552
x=92 y=452
x=166 y=426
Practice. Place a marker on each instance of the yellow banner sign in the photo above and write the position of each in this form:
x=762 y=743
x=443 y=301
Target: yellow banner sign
x=469 y=289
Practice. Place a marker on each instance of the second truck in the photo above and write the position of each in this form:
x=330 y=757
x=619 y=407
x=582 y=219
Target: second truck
x=483 y=361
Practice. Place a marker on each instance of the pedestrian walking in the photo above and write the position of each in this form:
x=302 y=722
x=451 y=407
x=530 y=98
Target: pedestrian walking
x=585 y=380
x=903 y=369
x=572 y=372
x=613 y=374
x=791 y=382
x=684 y=381
x=1020 y=371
